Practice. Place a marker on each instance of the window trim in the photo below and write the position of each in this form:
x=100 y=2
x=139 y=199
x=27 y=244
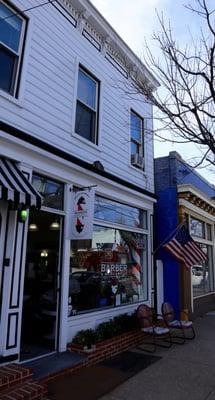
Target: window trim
x=92 y=110
x=15 y=81
x=140 y=144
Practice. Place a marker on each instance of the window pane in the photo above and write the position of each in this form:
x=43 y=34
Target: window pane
x=136 y=127
x=10 y=28
x=86 y=89
x=108 y=210
x=112 y=272
x=202 y=274
x=134 y=148
x=51 y=191
x=85 y=122
x=197 y=228
x=7 y=65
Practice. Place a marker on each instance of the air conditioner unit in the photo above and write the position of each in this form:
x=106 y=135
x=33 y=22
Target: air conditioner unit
x=137 y=160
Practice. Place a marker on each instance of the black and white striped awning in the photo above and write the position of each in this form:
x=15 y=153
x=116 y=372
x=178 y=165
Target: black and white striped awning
x=14 y=186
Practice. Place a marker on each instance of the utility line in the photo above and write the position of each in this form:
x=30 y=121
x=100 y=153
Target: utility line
x=28 y=9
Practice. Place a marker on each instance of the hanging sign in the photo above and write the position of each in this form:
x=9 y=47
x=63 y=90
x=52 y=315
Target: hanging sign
x=82 y=214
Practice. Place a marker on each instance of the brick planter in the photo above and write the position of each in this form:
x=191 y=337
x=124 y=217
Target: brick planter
x=109 y=348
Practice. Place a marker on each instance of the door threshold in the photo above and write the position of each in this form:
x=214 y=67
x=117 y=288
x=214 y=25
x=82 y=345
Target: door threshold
x=37 y=357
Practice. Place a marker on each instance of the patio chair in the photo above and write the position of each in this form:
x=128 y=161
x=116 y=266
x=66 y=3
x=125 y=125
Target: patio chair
x=184 y=326
x=154 y=330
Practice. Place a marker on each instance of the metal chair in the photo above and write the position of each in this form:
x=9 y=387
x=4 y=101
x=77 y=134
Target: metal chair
x=152 y=328
x=184 y=326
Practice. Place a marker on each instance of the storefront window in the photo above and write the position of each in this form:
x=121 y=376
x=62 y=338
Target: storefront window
x=108 y=271
x=197 y=228
x=50 y=191
x=202 y=274
x=118 y=213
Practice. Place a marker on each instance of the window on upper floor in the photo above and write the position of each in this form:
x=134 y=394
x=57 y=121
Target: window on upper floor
x=12 y=30
x=137 y=140
x=86 y=123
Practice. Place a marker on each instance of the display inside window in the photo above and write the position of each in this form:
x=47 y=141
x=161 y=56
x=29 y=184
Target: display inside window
x=109 y=271
x=50 y=191
x=109 y=210
x=197 y=228
x=11 y=29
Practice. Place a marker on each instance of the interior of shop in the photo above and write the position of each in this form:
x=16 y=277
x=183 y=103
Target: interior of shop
x=107 y=271
x=41 y=285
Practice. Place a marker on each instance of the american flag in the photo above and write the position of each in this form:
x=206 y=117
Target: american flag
x=183 y=247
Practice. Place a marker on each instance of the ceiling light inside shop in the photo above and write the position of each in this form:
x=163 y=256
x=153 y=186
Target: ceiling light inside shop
x=54 y=226
x=44 y=253
x=33 y=227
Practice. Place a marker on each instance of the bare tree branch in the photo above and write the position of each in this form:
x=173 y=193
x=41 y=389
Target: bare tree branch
x=186 y=101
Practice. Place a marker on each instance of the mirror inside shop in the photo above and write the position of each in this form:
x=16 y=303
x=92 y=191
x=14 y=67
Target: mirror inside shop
x=108 y=271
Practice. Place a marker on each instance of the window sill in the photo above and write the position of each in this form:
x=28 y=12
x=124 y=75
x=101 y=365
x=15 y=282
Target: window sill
x=142 y=171
x=11 y=99
x=87 y=142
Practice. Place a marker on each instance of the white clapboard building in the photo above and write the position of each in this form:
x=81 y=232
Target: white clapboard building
x=76 y=176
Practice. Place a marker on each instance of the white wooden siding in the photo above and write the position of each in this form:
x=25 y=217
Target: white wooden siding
x=54 y=49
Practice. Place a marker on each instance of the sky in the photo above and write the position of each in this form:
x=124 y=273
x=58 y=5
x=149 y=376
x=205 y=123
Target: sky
x=135 y=21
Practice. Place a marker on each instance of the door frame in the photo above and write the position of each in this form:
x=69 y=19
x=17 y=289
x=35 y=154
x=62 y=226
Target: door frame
x=61 y=215
x=12 y=283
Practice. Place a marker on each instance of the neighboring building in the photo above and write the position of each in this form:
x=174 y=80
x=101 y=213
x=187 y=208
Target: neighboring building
x=65 y=124
x=184 y=195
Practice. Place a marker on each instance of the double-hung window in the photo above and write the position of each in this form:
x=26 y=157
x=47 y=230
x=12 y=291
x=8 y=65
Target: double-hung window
x=12 y=29
x=86 y=124
x=137 y=143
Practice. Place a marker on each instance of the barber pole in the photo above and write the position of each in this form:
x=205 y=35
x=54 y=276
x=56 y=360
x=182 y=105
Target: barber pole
x=136 y=270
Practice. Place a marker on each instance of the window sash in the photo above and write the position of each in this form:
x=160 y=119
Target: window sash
x=92 y=98
x=136 y=127
x=14 y=51
x=136 y=138
x=8 y=70
x=90 y=132
x=13 y=23
x=86 y=106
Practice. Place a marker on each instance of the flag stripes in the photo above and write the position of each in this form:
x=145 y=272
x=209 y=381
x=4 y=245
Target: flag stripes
x=183 y=247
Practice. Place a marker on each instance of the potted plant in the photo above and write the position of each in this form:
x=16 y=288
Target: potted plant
x=85 y=338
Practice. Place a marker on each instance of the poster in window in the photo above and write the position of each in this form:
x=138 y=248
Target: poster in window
x=82 y=214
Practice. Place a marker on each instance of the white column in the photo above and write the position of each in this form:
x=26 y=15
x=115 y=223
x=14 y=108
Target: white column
x=65 y=271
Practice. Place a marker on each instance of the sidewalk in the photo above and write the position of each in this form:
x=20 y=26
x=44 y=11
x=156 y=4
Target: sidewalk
x=184 y=372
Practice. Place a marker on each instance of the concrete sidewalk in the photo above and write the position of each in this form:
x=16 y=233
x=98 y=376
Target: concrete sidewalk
x=185 y=371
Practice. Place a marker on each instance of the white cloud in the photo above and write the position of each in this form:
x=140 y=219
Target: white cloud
x=133 y=23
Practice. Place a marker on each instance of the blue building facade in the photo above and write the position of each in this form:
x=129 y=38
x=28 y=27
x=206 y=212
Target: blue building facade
x=183 y=194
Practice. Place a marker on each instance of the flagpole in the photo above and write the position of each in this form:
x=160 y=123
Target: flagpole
x=168 y=237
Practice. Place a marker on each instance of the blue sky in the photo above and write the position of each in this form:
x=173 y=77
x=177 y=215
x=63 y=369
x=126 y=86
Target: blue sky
x=135 y=21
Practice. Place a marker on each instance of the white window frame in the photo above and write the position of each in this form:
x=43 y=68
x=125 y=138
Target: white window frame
x=95 y=111
x=19 y=54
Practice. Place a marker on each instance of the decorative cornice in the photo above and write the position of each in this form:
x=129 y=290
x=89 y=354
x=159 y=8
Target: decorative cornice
x=100 y=30
x=199 y=202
